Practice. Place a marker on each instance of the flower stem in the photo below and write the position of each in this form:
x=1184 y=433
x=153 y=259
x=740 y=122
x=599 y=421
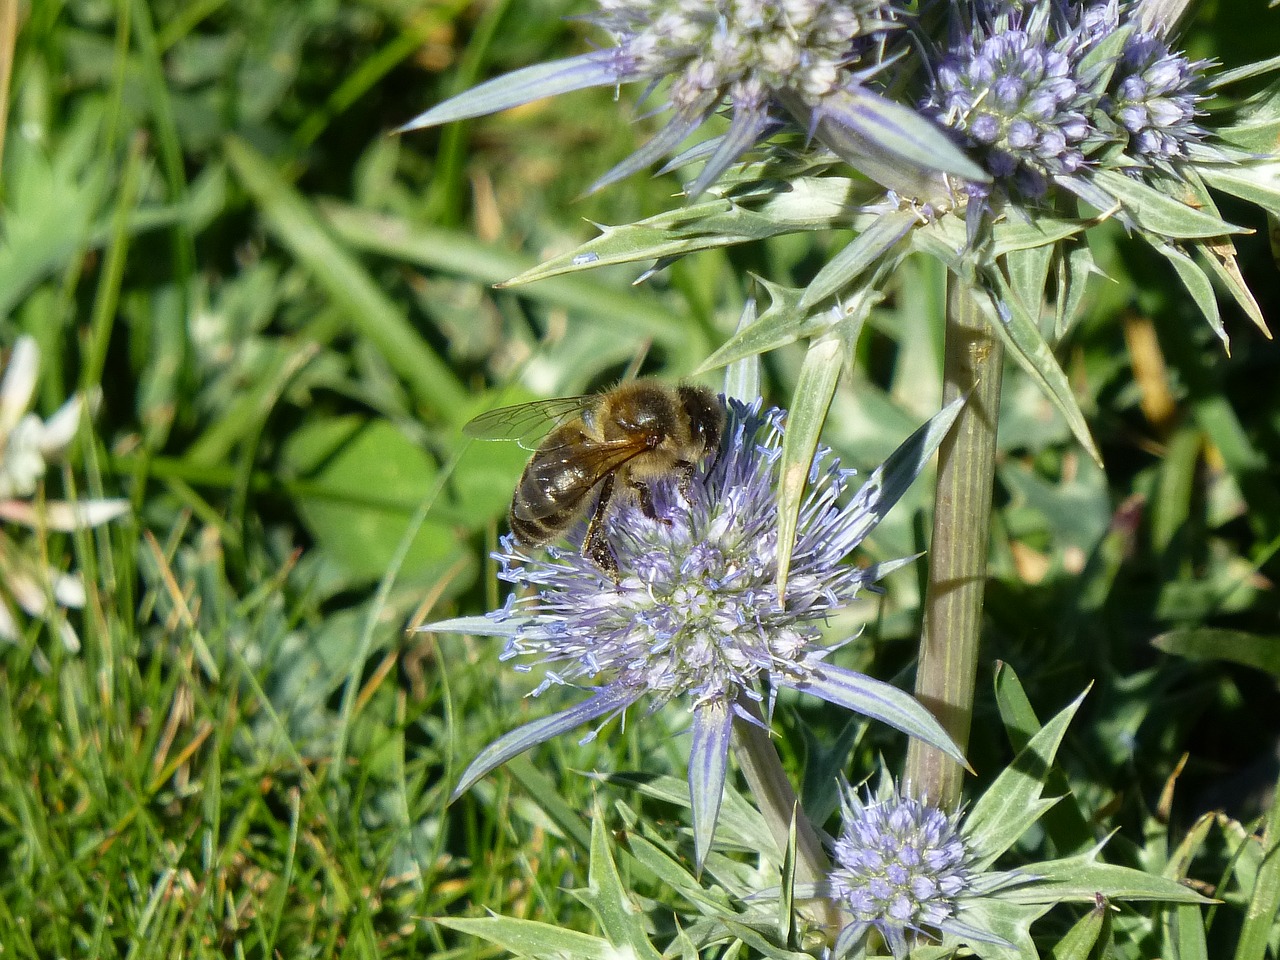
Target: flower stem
x=958 y=551
x=762 y=767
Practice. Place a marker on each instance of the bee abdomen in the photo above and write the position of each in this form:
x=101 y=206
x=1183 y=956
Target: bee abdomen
x=537 y=531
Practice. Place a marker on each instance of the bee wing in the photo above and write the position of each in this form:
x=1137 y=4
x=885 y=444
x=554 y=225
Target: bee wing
x=573 y=470
x=523 y=422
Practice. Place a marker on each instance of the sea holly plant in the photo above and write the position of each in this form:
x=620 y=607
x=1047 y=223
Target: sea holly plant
x=992 y=136
x=1074 y=114
x=910 y=878
x=910 y=872
x=696 y=613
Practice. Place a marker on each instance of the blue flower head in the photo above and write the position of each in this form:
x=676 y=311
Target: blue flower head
x=909 y=872
x=1157 y=91
x=696 y=613
x=1038 y=89
x=899 y=866
x=1011 y=82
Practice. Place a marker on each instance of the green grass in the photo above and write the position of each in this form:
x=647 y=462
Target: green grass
x=290 y=314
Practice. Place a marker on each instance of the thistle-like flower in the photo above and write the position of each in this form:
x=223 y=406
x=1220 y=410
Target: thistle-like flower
x=1036 y=89
x=900 y=866
x=1156 y=95
x=27 y=445
x=696 y=612
x=1012 y=84
x=808 y=56
x=909 y=871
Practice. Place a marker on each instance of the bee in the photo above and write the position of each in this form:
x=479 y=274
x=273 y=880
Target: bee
x=617 y=442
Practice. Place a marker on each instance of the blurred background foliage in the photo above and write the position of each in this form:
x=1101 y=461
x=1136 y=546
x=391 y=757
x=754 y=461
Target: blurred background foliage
x=291 y=313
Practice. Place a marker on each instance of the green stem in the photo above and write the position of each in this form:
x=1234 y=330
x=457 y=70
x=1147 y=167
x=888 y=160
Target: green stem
x=760 y=764
x=958 y=551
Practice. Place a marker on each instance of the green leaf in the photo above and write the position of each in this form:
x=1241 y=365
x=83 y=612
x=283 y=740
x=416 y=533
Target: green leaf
x=1010 y=922
x=1184 y=925
x=1081 y=878
x=815 y=387
x=1014 y=234
x=1012 y=803
x=594 y=69
x=1234 y=646
x=1074 y=268
x=781 y=323
x=757 y=942
x=1019 y=717
x=1027 y=272
x=1264 y=902
x=1257 y=129
x=887 y=142
x=740 y=824
x=620 y=919
x=358 y=529
x=742 y=376
x=1021 y=334
x=1198 y=285
x=1256 y=182
x=530 y=938
x=865 y=250
x=1160 y=213
x=674 y=876
x=1082 y=940
x=807 y=203
x=1220 y=257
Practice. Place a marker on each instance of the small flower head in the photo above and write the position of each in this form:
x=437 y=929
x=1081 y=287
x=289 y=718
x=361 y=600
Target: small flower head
x=899 y=867
x=1155 y=100
x=742 y=49
x=907 y=870
x=696 y=612
x=1011 y=84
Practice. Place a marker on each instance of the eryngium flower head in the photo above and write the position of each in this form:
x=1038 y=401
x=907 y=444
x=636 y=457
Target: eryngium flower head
x=811 y=56
x=898 y=866
x=1155 y=100
x=696 y=612
x=907 y=870
x=1011 y=83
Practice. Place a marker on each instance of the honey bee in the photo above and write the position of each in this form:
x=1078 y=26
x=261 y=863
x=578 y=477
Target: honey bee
x=617 y=441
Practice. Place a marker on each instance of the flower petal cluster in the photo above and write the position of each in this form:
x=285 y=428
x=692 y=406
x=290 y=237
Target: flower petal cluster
x=899 y=865
x=27 y=446
x=1037 y=90
x=1011 y=83
x=1157 y=91
x=745 y=52
x=907 y=870
x=696 y=612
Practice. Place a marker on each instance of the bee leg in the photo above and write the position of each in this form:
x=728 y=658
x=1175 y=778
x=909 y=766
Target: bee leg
x=685 y=469
x=645 y=498
x=595 y=545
